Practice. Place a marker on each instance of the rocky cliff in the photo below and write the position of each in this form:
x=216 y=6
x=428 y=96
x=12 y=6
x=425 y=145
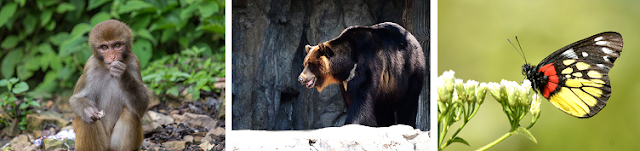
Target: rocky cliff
x=268 y=50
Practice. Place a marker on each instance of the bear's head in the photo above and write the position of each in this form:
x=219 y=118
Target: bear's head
x=317 y=67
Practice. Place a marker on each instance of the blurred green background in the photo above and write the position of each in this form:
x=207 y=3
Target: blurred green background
x=473 y=42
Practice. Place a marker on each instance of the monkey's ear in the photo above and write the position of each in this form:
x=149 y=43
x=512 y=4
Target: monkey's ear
x=307 y=48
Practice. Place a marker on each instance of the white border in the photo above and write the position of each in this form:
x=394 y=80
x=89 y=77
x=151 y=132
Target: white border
x=433 y=50
x=227 y=71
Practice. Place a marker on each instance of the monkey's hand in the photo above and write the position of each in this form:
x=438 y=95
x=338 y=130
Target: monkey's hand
x=91 y=115
x=116 y=68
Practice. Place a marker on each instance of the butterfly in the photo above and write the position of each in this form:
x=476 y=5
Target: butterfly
x=575 y=78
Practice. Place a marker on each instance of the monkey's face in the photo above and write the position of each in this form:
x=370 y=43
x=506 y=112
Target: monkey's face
x=111 y=51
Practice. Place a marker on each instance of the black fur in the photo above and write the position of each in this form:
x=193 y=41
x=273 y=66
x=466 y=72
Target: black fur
x=389 y=74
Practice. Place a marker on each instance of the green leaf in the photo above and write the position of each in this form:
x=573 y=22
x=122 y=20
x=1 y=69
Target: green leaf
x=23 y=106
x=22 y=2
x=59 y=38
x=10 y=41
x=23 y=72
x=141 y=22
x=48 y=84
x=133 y=6
x=3 y=82
x=188 y=12
x=55 y=63
x=7 y=12
x=183 y=41
x=45 y=3
x=9 y=62
x=72 y=46
x=50 y=26
x=45 y=17
x=142 y=49
x=64 y=7
x=20 y=87
x=172 y=91
x=459 y=140
x=30 y=23
x=96 y=3
x=526 y=133
x=208 y=9
x=46 y=49
x=33 y=64
x=99 y=17
x=168 y=34
x=144 y=33
x=217 y=28
x=80 y=30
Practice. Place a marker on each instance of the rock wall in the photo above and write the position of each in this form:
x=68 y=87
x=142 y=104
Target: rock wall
x=268 y=50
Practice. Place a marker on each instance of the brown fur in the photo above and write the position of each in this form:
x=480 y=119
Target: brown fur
x=123 y=98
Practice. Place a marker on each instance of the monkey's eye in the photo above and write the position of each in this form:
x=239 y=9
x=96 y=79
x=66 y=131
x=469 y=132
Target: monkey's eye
x=117 y=45
x=103 y=47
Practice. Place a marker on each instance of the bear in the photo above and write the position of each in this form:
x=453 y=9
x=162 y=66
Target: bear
x=380 y=70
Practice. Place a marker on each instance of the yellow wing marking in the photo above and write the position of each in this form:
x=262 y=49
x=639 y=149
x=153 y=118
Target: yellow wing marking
x=582 y=66
x=569 y=102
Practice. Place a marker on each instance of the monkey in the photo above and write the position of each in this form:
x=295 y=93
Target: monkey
x=111 y=83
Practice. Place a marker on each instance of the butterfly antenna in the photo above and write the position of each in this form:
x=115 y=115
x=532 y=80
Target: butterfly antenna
x=521 y=54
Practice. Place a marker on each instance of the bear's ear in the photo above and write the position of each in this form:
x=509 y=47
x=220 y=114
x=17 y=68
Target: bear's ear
x=307 y=48
x=326 y=51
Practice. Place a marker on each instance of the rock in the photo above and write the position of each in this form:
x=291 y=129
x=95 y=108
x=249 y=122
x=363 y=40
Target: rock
x=348 y=137
x=174 y=145
x=160 y=118
x=188 y=138
x=37 y=121
x=174 y=112
x=268 y=50
x=151 y=127
x=206 y=146
x=194 y=120
x=20 y=142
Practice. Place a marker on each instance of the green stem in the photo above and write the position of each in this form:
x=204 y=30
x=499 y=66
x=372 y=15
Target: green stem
x=496 y=141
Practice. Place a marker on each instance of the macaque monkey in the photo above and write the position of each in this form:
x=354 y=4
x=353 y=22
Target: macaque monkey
x=110 y=99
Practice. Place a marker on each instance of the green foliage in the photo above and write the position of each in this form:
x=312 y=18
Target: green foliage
x=188 y=70
x=45 y=42
x=15 y=102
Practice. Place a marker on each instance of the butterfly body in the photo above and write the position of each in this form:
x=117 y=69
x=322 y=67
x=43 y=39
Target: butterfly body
x=575 y=78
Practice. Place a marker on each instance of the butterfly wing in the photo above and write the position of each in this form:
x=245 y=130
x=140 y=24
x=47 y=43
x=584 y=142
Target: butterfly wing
x=575 y=78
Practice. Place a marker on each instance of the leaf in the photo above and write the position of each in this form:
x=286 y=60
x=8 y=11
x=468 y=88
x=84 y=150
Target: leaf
x=20 y=87
x=183 y=41
x=526 y=133
x=9 y=62
x=80 y=30
x=45 y=17
x=10 y=41
x=7 y=12
x=64 y=7
x=58 y=38
x=22 y=2
x=72 y=46
x=218 y=28
x=144 y=33
x=168 y=34
x=187 y=13
x=208 y=9
x=23 y=73
x=142 y=48
x=3 y=82
x=29 y=24
x=96 y=3
x=48 y=84
x=459 y=140
x=99 y=17
x=50 y=26
x=133 y=6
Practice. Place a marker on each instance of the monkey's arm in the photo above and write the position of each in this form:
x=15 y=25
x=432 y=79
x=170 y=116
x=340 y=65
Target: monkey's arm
x=82 y=106
x=131 y=82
